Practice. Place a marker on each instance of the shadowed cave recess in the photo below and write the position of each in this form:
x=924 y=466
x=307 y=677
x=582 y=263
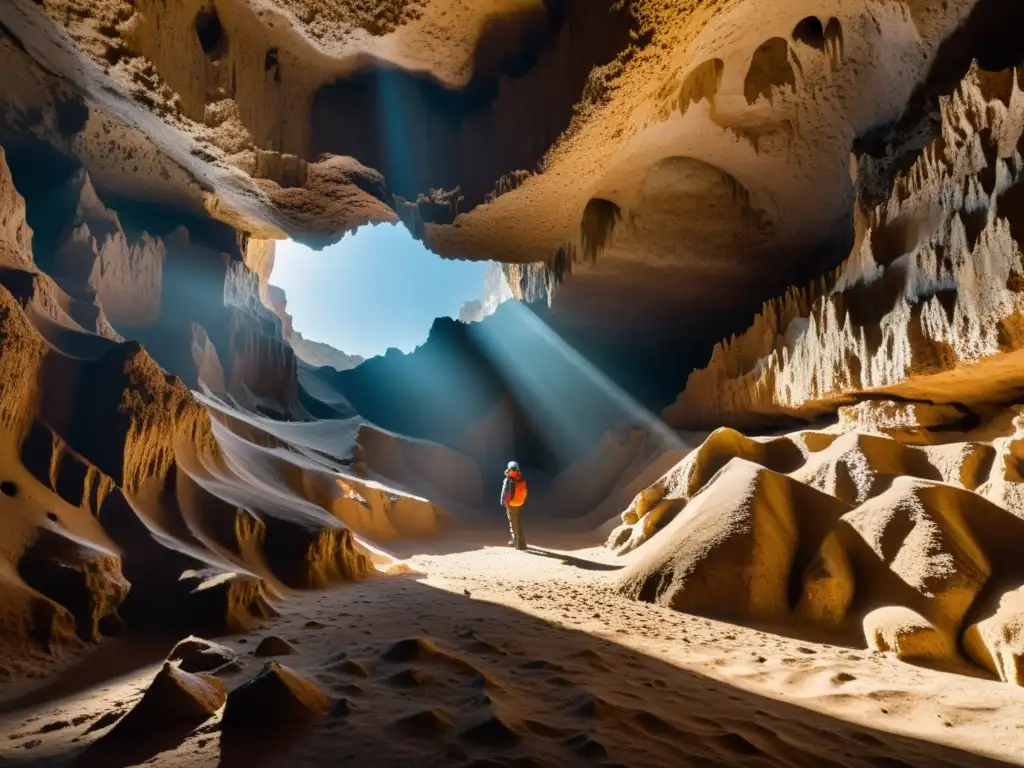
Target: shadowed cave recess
x=761 y=364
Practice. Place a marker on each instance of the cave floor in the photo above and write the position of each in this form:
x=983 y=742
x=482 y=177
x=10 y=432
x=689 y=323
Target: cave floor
x=531 y=658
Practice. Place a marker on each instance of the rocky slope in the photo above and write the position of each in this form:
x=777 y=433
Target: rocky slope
x=858 y=537
x=318 y=354
x=927 y=306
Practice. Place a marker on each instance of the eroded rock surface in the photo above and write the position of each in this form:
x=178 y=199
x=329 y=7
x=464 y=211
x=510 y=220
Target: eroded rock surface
x=926 y=307
x=692 y=159
x=907 y=548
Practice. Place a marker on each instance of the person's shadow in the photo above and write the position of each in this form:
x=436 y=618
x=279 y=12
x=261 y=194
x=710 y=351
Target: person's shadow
x=575 y=562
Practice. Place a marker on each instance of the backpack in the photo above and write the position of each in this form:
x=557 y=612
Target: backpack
x=518 y=496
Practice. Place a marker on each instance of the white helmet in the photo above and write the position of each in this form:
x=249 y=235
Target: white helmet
x=512 y=467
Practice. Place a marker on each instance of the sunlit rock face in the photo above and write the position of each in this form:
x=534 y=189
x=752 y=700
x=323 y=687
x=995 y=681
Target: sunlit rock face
x=663 y=156
x=653 y=172
x=928 y=305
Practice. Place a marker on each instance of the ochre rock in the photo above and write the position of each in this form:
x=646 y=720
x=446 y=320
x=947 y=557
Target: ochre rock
x=731 y=551
x=996 y=642
x=194 y=654
x=908 y=635
x=927 y=305
x=272 y=645
x=173 y=698
x=277 y=695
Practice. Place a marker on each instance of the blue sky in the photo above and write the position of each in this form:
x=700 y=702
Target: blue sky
x=374 y=289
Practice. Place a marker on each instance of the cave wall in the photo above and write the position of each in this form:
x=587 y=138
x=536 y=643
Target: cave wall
x=629 y=161
x=927 y=307
x=650 y=171
x=175 y=281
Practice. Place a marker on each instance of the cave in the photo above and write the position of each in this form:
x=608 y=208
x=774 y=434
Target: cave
x=420 y=382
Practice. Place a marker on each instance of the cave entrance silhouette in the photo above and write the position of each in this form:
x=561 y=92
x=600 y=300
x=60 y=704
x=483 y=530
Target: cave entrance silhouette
x=376 y=289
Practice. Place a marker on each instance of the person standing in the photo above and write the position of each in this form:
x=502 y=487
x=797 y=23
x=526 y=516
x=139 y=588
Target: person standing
x=513 y=496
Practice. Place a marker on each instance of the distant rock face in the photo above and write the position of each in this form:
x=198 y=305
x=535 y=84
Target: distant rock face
x=96 y=261
x=259 y=258
x=317 y=354
x=501 y=410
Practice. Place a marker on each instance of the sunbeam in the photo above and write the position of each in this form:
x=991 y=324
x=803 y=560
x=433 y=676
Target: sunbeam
x=568 y=399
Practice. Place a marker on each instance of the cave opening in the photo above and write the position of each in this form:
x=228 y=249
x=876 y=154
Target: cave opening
x=375 y=290
x=490 y=376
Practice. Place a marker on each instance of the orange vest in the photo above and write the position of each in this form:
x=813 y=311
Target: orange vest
x=518 y=496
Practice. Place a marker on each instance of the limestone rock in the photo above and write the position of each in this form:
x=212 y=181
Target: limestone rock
x=309 y=557
x=657 y=505
x=930 y=288
x=277 y=695
x=15 y=234
x=921 y=533
x=731 y=552
x=856 y=467
x=829 y=585
x=194 y=654
x=173 y=698
x=88 y=583
x=908 y=635
x=97 y=260
x=997 y=641
x=911 y=422
x=856 y=521
x=272 y=645
x=228 y=602
x=218 y=110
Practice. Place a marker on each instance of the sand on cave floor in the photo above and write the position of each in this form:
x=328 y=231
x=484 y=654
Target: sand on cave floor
x=530 y=658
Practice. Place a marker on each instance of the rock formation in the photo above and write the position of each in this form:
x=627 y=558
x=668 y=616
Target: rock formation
x=195 y=654
x=925 y=308
x=894 y=523
x=318 y=354
x=130 y=499
x=839 y=534
x=240 y=112
x=495 y=291
x=276 y=696
x=175 y=455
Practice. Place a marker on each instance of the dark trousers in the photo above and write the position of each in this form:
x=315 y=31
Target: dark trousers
x=518 y=540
